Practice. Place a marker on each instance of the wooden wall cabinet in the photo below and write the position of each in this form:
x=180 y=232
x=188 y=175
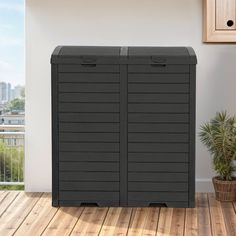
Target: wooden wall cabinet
x=219 y=21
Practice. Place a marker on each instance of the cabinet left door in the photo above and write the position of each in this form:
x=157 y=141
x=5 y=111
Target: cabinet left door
x=88 y=140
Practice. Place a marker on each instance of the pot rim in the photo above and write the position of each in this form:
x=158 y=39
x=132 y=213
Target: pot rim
x=217 y=179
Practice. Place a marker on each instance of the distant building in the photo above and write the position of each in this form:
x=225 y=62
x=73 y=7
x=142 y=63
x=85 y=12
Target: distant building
x=5 y=92
x=17 y=92
x=12 y=119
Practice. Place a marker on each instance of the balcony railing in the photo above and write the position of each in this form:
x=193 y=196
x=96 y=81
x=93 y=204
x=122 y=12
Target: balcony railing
x=12 y=154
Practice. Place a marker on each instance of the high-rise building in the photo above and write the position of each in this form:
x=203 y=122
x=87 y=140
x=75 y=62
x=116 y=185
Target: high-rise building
x=17 y=92
x=5 y=92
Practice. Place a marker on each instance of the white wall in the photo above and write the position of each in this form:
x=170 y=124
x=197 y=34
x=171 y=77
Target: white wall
x=123 y=22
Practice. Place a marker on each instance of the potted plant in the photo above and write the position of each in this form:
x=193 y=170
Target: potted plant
x=219 y=136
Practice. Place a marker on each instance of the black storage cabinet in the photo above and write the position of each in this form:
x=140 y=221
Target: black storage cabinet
x=123 y=126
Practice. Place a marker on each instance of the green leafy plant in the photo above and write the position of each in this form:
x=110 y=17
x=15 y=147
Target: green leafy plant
x=219 y=136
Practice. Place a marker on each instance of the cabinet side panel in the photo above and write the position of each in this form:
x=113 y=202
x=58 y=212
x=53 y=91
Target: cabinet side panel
x=55 y=160
x=192 y=121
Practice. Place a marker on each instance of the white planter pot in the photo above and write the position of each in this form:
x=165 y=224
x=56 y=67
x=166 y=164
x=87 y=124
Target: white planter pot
x=234 y=165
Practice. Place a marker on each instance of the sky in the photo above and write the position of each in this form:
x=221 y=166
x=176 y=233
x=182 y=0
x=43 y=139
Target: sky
x=12 y=41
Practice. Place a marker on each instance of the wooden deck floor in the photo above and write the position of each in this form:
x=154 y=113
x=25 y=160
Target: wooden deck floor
x=31 y=214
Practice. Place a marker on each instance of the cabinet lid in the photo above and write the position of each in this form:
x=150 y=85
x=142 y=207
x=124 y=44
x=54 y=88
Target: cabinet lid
x=161 y=55
x=123 y=55
x=85 y=55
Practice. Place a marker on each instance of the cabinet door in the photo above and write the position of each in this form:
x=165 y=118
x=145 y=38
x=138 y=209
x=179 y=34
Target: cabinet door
x=219 y=21
x=225 y=14
x=158 y=136
x=88 y=135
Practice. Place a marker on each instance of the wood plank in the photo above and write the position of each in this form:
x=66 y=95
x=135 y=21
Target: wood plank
x=164 y=224
x=229 y=217
x=191 y=226
x=122 y=224
x=178 y=222
x=64 y=221
x=7 y=200
x=151 y=222
x=90 y=222
x=17 y=211
x=137 y=222
x=171 y=221
x=38 y=218
x=3 y=194
x=203 y=215
x=109 y=224
x=216 y=214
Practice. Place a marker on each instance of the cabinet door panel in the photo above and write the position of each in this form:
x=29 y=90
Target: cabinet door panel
x=225 y=14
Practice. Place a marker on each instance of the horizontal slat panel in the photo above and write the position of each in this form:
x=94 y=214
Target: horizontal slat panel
x=158 y=196
x=89 y=117
x=89 y=147
x=88 y=69
x=158 y=68
x=158 y=147
x=101 y=203
x=89 y=176
x=88 y=156
x=158 y=157
x=155 y=186
x=158 y=78
x=161 y=128
x=145 y=203
x=158 y=167
x=158 y=88
x=157 y=137
x=158 y=98
x=161 y=177
x=88 y=196
x=88 y=107
x=152 y=108
x=88 y=127
x=89 y=137
x=89 y=166
x=88 y=88
x=88 y=186
x=155 y=118
x=88 y=77
x=89 y=97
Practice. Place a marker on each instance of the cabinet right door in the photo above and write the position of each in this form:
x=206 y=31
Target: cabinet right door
x=158 y=135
